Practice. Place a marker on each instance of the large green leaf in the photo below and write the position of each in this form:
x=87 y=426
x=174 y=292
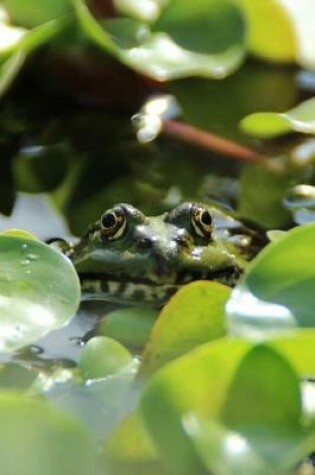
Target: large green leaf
x=39 y=291
x=270 y=124
x=166 y=52
x=224 y=405
x=193 y=316
x=278 y=289
x=37 y=439
x=31 y=13
x=13 y=56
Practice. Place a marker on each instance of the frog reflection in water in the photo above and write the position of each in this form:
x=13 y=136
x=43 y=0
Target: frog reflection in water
x=128 y=257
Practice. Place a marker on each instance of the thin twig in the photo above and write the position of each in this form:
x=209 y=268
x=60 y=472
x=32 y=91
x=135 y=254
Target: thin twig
x=208 y=141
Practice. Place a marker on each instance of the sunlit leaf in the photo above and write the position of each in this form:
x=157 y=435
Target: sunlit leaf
x=270 y=124
x=103 y=356
x=158 y=54
x=37 y=439
x=278 y=289
x=31 y=13
x=193 y=316
x=299 y=349
x=39 y=291
x=226 y=402
x=197 y=381
x=264 y=17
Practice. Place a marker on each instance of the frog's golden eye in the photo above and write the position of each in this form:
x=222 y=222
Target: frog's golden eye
x=201 y=221
x=113 y=223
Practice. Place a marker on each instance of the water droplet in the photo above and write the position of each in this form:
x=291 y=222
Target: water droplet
x=32 y=257
x=25 y=262
x=24 y=245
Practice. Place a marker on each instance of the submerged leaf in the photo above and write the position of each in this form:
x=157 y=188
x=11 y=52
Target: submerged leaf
x=271 y=124
x=39 y=291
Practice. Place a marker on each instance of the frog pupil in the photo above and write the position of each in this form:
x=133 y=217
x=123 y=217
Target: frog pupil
x=206 y=218
x=109 y=220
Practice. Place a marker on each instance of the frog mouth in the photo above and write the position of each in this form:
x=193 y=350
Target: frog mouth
x=129 y=289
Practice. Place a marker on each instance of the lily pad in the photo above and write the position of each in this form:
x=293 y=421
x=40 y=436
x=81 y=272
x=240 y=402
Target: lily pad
x=39 y=291
x=37 y=439
x=158 y=53
x=271 y=124
x=278 y=289
x=193 y=316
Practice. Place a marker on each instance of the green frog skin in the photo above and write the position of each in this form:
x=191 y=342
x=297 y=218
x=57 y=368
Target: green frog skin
x=128 y=257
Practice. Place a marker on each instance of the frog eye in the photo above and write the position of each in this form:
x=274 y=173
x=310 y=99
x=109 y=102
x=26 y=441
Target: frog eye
x=113 y=223
x=201 y=221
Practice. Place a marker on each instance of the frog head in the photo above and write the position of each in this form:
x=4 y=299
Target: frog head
x=128 y=256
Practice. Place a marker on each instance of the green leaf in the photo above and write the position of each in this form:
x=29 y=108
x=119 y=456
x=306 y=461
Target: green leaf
x=260 y=430
x=15 y=55
x=158 y=55
x=195 y=315
x=198 y=381
x=130 y=451
x=37 y=439
x=31 y=13
x=270 y=124
x=14 y=376
x=282 y=45
x=299 y=349
x=103 y=356
x=9 y=69
x=130 y=326
x=223 y=405
x=277 y=291
x=39 y=291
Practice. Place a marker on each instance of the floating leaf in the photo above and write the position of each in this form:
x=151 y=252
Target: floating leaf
x=39 y=291
x=157 y=54
x=193 y=316
x=131 y=326
x=223 y=405
x=270 y=124
x=103 y=356
x=278 y=289
x=37 y=439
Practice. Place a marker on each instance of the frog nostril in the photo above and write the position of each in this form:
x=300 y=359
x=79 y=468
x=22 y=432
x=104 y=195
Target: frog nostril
x=182 y=241
x=144 y=244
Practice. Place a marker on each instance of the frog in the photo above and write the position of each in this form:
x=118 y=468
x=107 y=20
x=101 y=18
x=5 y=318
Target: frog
x=128 y=257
